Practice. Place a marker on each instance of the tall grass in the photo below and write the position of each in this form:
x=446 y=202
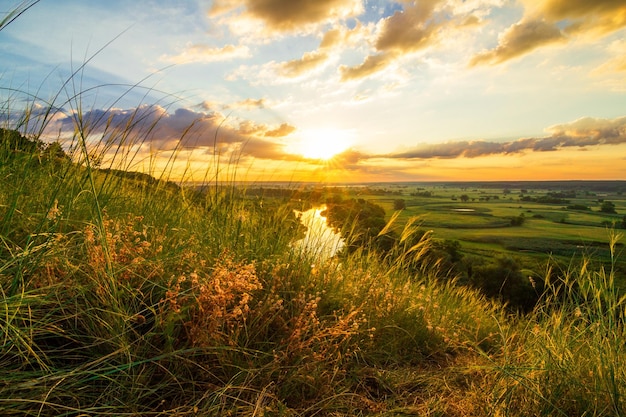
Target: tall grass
x=126 y=294
x=567 y=357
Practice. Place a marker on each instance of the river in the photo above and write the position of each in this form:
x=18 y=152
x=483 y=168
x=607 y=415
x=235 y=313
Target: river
x=320 y=240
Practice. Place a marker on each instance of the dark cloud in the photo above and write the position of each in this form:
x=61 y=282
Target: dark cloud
x=447 y=150
x=582 y=133
x=155 y=127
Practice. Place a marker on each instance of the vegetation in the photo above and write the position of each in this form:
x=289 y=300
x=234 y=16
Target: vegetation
x=125 y=294
x=607 y=207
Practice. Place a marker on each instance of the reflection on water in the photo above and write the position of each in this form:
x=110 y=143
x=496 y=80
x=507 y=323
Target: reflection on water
x=320 y=240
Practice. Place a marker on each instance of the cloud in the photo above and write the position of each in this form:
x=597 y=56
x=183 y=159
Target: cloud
x=335 y=39
x=597 y=131
x=371 y=65
x=600 y=16
x=331 y=38
x=562 y=9
x=520 y=39
x=410 y=29
x=613 y=71
x=153 y=127
x=349 y=158
x=291 y=15
x=419 y=26
x=333 y=43
x=538 y=27
x=262 y=149
x=581 y=133
x=247 y=104
x=308 y=62
x=205 y=53
x=614 y=65
x=283 y=130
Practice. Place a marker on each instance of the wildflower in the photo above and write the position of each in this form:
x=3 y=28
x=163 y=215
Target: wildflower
x=89 y=234
x=55 y=211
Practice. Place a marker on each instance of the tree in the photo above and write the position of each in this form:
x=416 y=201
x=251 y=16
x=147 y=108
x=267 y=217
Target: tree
x=607 y=207
x=399 y=204
x=502 y=278
x=360 y=222
x=13 y=141
x=464 y=198
x=518 y=221
x=54 y=152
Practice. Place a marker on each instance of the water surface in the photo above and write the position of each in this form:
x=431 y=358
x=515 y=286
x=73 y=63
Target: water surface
x=320 y=240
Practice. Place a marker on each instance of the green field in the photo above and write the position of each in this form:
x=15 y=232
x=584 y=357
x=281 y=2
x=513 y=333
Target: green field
x=478 y=215
x=473 y=219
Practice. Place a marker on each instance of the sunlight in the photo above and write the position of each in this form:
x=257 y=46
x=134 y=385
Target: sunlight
x=322 y=143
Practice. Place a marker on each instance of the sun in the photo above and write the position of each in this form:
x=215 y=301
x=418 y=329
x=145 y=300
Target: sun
x=323 y=143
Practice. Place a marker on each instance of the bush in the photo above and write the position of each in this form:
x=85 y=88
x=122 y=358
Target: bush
x=399 y=204
x=519 y=220
x=607 y=207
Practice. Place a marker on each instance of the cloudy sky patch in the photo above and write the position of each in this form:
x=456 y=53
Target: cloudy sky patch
x=428 y=89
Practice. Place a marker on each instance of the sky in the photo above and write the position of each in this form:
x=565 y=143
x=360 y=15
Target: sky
x=326 y=90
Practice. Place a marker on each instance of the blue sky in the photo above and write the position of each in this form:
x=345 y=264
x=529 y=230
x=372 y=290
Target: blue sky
x=337 y=90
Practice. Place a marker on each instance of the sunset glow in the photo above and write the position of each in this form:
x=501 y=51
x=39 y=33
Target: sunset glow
x=332 y=90
x=322 y=144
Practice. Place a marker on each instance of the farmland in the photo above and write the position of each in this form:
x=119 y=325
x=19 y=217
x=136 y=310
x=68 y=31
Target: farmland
x=531 y=221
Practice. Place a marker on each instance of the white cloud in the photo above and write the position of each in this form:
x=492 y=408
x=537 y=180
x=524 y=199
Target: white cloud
x=205 y=53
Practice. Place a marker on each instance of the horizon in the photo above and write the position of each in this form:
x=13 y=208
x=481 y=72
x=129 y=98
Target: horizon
x=537 y=183
x=334 y=91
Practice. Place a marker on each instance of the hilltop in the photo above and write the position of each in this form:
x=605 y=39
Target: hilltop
x=126 y=294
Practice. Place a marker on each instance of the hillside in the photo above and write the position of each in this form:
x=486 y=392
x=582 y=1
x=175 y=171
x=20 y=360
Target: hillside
x=123 y=294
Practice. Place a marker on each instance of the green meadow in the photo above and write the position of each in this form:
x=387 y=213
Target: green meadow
x=479 y=215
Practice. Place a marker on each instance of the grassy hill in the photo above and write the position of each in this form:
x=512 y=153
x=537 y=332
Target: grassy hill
x=123 y=294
